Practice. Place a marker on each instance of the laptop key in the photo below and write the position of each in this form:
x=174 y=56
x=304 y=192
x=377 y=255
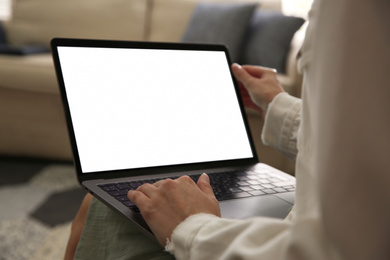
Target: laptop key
x=108 y=187
x=128 y=203
x=234 y=190
x=279 y=190
x=246 y=188
x=269 y=191
x=243 y=183
x=236 y=195
x=123 y=186
x=285 y=183
x=136 y=184
x=256 y=193
x=122 y=198
x=118 y=192
x=131 y=206
x=268 y=186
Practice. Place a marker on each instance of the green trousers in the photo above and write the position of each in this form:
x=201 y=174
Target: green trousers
x=109 y=235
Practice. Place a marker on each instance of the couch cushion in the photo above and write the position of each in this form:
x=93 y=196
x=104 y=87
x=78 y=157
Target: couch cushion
x=268 y=40
x=224 y=23
x=38 y=21
x=31 y=73
x=170 y=18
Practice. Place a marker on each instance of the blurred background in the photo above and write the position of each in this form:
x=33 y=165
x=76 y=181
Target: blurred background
x=289 y=7
x=39 y=194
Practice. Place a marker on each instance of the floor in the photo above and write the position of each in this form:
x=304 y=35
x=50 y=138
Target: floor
x=38 y=200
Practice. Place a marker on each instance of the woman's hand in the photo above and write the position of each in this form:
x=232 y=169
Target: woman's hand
x=165 y=204
x=260 y=82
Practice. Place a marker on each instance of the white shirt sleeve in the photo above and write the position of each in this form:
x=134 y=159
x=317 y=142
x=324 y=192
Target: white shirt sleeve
x=343 y=171
x=349 y=107
x=281 y=124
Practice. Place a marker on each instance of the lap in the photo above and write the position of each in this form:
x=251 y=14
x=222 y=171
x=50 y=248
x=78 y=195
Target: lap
x=109 y=235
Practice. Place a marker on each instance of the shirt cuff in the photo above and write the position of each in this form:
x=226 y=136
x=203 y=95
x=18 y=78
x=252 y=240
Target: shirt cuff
x=281 y=124
x=184 y=234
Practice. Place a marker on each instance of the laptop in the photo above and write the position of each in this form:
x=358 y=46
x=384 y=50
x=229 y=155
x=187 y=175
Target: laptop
x=139 y=112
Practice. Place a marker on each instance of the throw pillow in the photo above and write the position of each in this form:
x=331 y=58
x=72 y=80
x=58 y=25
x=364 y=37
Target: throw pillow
x=22 y=50
x=268 y=39
x=3 y=39
x=222 y=23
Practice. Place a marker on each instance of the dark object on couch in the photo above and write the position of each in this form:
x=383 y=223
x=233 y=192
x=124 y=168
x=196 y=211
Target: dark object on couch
x=5 y=48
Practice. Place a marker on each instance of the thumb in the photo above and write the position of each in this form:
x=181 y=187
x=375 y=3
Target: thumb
x=244 y=77
x=204 y=185
x=240 y=74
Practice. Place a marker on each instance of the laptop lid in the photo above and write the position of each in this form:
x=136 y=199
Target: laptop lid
x=136 y=108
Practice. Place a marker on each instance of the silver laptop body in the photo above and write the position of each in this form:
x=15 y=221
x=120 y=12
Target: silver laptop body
x=142 y=111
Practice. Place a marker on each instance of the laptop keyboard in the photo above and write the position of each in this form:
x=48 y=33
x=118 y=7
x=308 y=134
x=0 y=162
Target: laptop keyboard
x=226 y=185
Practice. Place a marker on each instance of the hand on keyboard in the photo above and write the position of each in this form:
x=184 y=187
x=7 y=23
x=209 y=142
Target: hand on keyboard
x=166 y=203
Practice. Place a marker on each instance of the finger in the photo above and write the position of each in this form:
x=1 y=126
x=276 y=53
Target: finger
x=137 y=197
x=185 y=180
x=147 y=189
x=258 y=71
x=159 y=183
x=204 y=185
x=247 y=80
x=254 y=71
x=241 y=74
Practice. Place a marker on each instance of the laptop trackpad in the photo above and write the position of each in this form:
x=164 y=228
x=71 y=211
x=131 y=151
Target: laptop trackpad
x=266 y=206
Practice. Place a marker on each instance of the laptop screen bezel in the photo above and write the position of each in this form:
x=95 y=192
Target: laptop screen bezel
x=66 y=42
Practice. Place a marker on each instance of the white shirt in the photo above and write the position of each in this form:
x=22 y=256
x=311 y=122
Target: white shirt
x=343 y=169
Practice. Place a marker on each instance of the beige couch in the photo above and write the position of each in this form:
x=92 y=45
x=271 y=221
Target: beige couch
x=31 y=117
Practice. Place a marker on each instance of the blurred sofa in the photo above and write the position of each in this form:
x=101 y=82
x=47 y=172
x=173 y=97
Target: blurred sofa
x=31 y=118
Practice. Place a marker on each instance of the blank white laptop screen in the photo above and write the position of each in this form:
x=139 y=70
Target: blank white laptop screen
x=135 y=108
